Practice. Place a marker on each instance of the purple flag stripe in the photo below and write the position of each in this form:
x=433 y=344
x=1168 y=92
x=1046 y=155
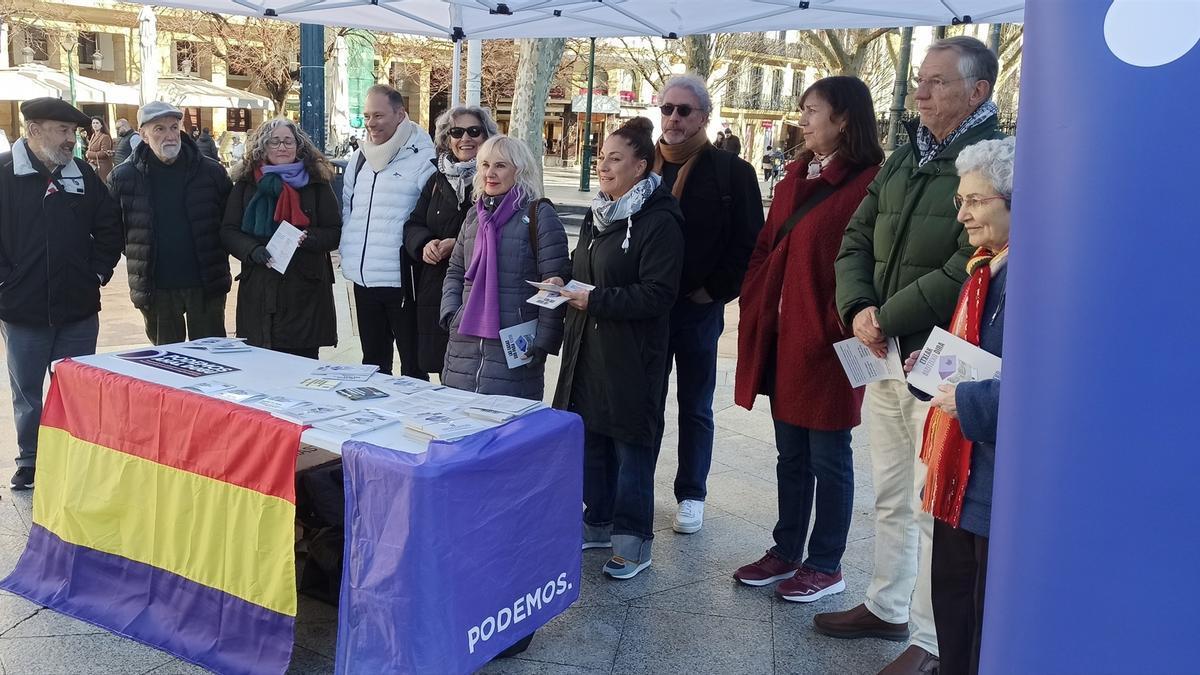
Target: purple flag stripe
x=199 y=624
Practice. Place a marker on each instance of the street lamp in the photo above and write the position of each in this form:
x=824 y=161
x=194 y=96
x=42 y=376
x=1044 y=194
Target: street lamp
x=185 y=66
x=27 y=54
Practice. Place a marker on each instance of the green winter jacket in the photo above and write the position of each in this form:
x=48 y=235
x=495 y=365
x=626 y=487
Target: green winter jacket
x=904 y=251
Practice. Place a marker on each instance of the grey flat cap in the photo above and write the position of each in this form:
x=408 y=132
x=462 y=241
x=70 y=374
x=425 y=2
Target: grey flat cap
x=156 y=109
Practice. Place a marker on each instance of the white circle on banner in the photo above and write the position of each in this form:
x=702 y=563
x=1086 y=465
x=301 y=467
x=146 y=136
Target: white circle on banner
x=1152 y=33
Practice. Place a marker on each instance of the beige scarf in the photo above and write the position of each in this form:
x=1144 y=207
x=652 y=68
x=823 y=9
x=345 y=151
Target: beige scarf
x=684 y=153
x=378 y=156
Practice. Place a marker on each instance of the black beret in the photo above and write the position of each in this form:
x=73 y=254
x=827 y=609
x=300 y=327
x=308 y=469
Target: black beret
x=56 y=109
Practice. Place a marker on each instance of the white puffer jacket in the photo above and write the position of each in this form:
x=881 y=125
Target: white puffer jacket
x=375 y=207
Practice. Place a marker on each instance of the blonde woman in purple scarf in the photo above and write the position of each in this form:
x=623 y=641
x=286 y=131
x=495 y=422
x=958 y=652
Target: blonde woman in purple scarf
x=511 y=236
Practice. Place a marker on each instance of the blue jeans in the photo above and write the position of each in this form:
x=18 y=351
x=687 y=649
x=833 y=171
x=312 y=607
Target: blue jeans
x=31 y=349
x=695 y=330
x=822 y=460
x=618 y=489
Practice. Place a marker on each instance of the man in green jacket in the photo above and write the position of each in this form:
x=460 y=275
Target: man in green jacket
x=902 y=264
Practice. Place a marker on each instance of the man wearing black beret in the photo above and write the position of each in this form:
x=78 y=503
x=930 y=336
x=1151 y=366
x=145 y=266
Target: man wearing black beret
x=60 y=238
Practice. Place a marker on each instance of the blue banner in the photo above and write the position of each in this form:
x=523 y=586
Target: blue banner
x=1096 y=524
x=454 y=555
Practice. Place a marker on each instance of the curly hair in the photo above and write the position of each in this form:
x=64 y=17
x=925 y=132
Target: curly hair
x=256 y=151
x=441 y=133
x=993 y=160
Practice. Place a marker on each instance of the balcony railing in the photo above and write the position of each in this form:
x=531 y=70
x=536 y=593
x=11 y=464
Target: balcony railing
x=760 y=102
x=759 y=44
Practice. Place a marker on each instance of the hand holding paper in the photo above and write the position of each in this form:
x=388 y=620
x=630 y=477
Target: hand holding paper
x=283 y=245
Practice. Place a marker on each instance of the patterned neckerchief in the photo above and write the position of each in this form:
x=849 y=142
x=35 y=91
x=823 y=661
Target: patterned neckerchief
x=930 y=148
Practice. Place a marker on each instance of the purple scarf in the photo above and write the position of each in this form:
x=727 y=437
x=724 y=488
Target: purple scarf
x=481 y=314
x=294 y=174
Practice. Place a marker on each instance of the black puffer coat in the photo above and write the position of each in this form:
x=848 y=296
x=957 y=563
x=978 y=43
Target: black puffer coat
x=437 y=215
x=292 y=310
x=615 y=354
x=208 y=188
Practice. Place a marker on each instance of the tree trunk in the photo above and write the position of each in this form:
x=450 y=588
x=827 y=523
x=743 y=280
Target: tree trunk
x=697 y=50
x=537 y=61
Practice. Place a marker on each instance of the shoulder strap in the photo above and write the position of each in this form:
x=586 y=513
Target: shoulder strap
x=809 y=204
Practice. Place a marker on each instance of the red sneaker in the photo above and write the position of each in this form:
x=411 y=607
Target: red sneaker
x=769 y=569
x=809 y=585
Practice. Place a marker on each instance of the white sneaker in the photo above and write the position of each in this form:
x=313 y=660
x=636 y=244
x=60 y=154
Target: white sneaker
x=690 y=517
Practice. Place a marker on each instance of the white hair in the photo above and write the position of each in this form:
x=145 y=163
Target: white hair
x=991 y=159
x=693 y=83
x=516 y=152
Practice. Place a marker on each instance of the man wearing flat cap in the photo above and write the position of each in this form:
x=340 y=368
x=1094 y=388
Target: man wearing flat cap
x=172 y=199
x=60 y=238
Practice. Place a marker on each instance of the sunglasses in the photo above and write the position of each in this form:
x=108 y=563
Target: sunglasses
x=669 y=109
x=472 y=131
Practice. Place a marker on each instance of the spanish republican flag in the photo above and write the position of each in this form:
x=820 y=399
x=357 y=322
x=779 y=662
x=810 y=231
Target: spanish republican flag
x=167 y=517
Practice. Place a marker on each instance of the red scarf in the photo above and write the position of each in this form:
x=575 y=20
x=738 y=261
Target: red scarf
x=944 y=449
x=287 y=207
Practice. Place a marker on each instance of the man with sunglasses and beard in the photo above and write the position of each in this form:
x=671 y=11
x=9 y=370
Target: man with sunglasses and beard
x=723 y=212
x=60 y=238
x=383 y=183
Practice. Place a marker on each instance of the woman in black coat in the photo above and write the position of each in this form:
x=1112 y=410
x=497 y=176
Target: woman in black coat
x=615 y=345
x=432 y=228
x=284 y=178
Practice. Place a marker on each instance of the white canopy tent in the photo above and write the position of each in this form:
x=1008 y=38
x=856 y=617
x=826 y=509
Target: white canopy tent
x=31 y=80
x=487 y=19
x=186 y=91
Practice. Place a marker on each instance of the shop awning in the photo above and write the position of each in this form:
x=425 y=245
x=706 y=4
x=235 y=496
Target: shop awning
x=186 y=91
x=32 y=80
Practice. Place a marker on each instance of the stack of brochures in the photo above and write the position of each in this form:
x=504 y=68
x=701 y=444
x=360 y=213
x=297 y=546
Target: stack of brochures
x=442 y=427
x=499 y=408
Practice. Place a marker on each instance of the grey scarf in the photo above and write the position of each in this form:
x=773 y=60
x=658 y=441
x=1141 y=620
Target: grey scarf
x=606 y=211
x=460 y=174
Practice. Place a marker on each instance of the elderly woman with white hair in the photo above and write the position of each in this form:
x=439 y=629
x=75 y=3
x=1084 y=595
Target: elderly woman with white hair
x=512 y=236
x=435 y=222
x=959 y=445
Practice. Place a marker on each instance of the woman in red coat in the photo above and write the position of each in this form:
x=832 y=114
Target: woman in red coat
x=786 y=334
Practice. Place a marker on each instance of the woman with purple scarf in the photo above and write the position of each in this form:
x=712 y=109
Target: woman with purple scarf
x=509 y=238
x=284 y=178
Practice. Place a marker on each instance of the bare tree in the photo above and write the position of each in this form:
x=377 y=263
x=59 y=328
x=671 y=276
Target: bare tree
x=537 y=62
x=843 y=50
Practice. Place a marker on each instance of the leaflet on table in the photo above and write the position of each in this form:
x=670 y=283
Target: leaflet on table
x=211 y=388
x=863 y=367
x=496 y=408
x=320 y=384
x=549 y=296
x=331 y=371
x=358 y=422
x=239 y=395
x=218 y=345
x=362 y=393
x=311 y=412
x=276 y=403
x=283 y=245
x=949 y=359
x=449 y=397
x=443 y=427
x=404 y=384
x=413 y=404
x=517 y=343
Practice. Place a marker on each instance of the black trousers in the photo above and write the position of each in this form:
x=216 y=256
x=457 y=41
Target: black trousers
x=386 y=316
x=959 y=575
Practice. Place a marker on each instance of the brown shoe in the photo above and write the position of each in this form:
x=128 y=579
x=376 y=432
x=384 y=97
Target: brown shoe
x=859 y=623
x=912 y=661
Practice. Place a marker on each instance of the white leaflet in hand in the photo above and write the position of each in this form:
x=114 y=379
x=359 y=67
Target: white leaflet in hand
x=549 y=297
x=517 y=343
x=542 y=286
x=863 y=367
x=949 y=359
x=282 y=246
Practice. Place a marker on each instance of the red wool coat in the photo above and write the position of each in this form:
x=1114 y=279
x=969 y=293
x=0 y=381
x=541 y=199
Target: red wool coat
x=789 y=321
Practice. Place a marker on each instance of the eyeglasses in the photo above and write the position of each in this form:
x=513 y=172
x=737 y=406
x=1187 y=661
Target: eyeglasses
x=472 y=131
x=936 y=82
x=669 y=109
x=971 y=201
x=285 y=142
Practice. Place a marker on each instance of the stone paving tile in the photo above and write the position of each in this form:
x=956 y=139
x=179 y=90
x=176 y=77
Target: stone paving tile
x=101 y=654
x=519 y=666
x=745 y=496
x=658 y=641
x=585 y=637
x=178 y=667
x=717 y=596
x=799 y=649
x=306 y=662
x=672 y=567
x=47 y=623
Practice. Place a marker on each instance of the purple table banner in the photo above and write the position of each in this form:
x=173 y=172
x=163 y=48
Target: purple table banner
x=455 y=554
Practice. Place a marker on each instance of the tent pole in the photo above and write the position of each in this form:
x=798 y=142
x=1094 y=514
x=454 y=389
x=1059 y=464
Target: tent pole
x=456 y=78
x=474 y=71
x=312 y=82
x=585 y=168
x=901 y=90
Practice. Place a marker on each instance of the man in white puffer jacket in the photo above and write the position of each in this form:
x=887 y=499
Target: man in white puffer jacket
x=383 y=180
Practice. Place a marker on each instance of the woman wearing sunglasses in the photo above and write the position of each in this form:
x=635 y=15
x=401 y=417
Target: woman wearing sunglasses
x=437 y=219
x=284 y=178
x=510 y=237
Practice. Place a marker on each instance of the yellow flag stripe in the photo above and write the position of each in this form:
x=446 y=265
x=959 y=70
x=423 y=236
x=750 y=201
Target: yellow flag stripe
x=223 y=536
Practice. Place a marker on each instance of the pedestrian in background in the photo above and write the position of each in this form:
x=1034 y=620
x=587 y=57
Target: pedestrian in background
x=722 y=210
x=285 y=178
x=614 y=364
x=788 y=323
x=127 y=140
x=437 y=218
x=172 y=201
x=60 y=238
x=510 y=237
x=100 y=148
x=208 y=146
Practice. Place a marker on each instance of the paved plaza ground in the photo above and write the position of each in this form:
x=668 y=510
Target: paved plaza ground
x=685 y=614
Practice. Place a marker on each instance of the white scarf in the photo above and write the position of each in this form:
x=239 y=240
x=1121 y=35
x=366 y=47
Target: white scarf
x=460 y=174
x=379 y=156
x=606 y=210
